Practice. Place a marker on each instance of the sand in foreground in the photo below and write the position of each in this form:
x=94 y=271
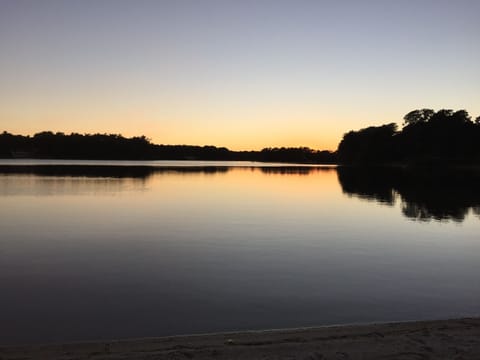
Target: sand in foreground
x=444 y=339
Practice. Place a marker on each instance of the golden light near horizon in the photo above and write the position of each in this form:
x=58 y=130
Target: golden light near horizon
x=240 y=75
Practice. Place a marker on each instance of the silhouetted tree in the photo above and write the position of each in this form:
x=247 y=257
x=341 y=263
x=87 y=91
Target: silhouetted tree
x=372 y=144
x=418 y=116
x=428 y=137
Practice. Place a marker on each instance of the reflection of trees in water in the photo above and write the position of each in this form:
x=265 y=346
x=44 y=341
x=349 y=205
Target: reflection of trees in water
x=424 y=213
x=144 y=172
x=359 y=183
x=113 y=171
x=41 y=185
x=81 y=179
x=294 y=170
x=439 y=193
x=476 y=210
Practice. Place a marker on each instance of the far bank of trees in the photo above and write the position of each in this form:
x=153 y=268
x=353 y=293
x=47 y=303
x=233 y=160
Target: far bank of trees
x=427 y=137
x=49 y=145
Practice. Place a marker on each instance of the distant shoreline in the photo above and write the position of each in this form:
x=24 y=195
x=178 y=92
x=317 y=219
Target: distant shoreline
x=438 y=339
x=418 y=165
x=49 y=145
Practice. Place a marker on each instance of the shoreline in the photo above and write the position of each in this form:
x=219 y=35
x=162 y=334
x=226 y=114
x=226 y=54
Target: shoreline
x=437 y=339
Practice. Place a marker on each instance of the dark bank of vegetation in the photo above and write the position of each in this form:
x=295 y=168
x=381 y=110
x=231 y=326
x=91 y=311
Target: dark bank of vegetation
x=435 y=193
x=427 y=137
x=49 y=145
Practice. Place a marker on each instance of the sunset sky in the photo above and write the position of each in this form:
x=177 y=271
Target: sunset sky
x=242 y=74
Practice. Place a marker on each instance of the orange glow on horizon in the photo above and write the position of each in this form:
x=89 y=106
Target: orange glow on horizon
x=235 y=138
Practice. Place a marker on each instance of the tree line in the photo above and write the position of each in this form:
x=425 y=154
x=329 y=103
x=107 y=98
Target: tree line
x=49 y=145
x=427 y=137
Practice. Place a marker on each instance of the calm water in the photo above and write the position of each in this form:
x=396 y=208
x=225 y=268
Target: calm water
x=100 y=252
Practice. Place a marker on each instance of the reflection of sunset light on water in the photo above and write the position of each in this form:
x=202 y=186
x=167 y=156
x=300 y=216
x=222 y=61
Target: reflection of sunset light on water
x=283 y=247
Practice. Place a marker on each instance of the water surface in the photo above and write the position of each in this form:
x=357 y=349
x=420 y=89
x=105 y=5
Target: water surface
x=112 y=250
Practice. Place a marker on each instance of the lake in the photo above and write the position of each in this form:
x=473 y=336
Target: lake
x=104 y=250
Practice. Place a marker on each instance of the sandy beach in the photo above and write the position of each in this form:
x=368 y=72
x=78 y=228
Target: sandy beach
x=442 y=339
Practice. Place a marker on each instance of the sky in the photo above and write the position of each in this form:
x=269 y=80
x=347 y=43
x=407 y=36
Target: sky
x=242 y=74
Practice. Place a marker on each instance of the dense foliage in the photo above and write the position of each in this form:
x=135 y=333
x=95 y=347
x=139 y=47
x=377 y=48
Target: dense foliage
x=49 y=145
x=426 y=137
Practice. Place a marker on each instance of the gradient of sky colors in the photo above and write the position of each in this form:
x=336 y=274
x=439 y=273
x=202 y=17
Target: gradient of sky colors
x=242 y=74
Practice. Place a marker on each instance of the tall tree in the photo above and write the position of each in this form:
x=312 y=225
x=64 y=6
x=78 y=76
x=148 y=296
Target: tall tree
x=418 y=116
